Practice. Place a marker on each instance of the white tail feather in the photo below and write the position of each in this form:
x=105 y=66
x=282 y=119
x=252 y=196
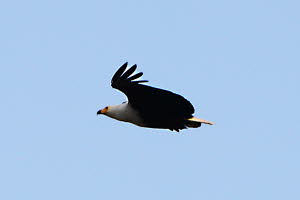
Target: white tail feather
x=195 y=119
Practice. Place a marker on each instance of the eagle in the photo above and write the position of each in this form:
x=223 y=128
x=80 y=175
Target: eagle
x=148 y=106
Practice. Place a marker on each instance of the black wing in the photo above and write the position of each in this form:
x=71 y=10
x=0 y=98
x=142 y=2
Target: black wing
x=122 y=81
x=153 y=103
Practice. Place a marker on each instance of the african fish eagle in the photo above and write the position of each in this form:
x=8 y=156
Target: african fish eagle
x=148 y=106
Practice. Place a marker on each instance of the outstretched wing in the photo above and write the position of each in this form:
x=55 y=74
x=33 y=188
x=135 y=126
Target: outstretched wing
x=151 y=102
x=122 y=81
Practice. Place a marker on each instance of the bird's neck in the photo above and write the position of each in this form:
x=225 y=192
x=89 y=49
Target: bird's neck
x=124 y=112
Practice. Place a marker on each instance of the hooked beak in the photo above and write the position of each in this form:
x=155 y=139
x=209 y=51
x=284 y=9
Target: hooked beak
x=99 y=112
x=103 y=111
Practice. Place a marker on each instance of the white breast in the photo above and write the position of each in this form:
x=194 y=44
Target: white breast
x=124 y=112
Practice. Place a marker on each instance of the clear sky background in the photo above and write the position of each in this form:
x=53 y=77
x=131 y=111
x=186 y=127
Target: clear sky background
x=236 y=61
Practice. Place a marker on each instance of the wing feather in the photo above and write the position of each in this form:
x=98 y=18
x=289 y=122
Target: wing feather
x=119 y=72
x=129 y=72
x=141 y=81
x=138 y=75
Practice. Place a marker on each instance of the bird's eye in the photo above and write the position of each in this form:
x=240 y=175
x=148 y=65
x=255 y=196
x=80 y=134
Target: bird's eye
x=106 y=107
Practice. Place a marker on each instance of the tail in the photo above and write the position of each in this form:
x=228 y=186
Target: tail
x=195 y=122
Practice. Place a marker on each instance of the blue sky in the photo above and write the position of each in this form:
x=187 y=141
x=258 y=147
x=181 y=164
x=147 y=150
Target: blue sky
x=236 y=61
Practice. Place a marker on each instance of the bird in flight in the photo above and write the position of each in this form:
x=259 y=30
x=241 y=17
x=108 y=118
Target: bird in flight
x=148 y=106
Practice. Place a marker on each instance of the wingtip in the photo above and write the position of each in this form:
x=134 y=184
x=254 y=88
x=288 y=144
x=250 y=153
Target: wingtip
x=141 y=81
x=123 y=67
x=119 y=72
x=138 y=75
x=129 y=72
x=134 y=67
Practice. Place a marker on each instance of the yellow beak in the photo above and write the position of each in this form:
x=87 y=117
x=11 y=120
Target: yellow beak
x=104 y=110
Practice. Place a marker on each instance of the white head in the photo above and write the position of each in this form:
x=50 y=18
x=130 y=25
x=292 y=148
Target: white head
x=119 y=112
x=122 y=112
